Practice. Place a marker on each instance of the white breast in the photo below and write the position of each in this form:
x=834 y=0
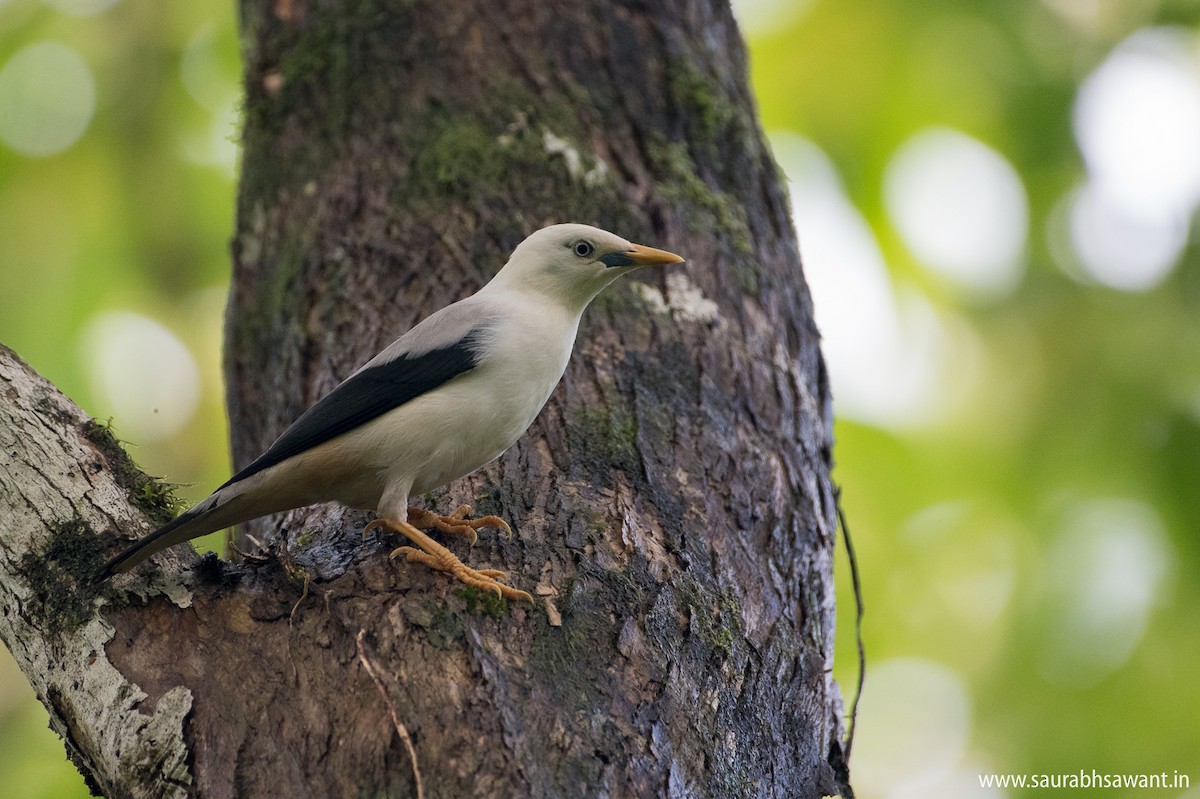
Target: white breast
x=469 y=421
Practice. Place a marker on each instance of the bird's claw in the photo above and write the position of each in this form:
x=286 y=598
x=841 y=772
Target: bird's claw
x=376 y=525
x=483 y=579
x=456 y=523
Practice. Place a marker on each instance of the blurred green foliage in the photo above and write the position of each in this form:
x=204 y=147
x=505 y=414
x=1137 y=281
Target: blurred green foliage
x=997 y=541
x=1086 y=398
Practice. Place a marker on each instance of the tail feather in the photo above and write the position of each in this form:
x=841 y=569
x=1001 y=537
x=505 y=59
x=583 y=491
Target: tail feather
x=207 y=517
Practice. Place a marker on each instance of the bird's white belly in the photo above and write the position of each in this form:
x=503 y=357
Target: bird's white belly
x=451 y=431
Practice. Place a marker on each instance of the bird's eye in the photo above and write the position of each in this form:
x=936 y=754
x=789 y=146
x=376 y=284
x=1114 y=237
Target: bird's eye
x=583 y=248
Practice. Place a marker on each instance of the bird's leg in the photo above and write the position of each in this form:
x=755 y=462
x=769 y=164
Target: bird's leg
x=456 y=522
x=431 y=553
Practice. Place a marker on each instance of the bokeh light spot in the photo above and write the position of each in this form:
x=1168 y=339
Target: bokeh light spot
x=47 y=98
x=961 y=209
x=140 y=374
x=764 y=16
x=886 y=347
x=914 y=723
x=1137 y=122
x=201 y=70
x=1106 y=570
x=217 y=144
x=1117 y=246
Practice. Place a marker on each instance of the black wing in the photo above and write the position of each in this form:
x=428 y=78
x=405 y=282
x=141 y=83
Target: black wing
x=367 y=394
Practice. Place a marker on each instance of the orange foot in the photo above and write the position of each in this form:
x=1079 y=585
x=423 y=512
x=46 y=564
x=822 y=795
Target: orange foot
x=431 y=553
x=456 y=522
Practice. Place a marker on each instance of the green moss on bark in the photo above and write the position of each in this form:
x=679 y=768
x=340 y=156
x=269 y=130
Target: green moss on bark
x=154 y=497
x=716 y=119
x=706 y=208
x=485 y=603
x=60 y=576
x=606 y=437
x=445 y=629
x=716 y=617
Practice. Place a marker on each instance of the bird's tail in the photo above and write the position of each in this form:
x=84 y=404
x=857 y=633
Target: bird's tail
x=213 y=514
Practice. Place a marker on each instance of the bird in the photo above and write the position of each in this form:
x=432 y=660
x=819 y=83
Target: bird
x=445 y=398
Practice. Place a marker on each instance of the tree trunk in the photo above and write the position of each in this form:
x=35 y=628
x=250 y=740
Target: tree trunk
x=672 y=505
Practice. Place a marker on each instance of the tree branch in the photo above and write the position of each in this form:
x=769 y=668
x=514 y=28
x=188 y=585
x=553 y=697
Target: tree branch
x=65 y=485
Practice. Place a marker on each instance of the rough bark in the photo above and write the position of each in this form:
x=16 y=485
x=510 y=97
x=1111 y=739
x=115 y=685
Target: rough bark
x=66 y=487
x=672 y=505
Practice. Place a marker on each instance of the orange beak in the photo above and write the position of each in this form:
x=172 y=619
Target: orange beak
x=641 y=256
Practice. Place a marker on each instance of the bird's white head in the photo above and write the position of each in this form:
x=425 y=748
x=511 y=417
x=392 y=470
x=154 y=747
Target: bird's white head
x=573 y=263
